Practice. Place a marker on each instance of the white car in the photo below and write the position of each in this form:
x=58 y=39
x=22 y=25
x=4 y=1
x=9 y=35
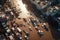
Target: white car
x=13 y=28
x=12 y=13
x=19 y=30
x=20 y=38
x=44 y=23
x=26 y=37
x=8 y=30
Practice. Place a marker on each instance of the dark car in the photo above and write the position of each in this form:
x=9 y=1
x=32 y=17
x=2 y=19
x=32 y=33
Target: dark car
x=26 y=33
x=44 y=26
x=24 y=20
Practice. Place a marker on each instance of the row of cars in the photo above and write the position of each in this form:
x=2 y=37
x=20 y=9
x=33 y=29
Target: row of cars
x=35 y=24
x=14 y=33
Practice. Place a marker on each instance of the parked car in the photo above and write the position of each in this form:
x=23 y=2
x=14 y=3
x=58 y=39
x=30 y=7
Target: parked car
x=30 y=28
x=44 y=27
x=26 y=37
x=19 y=36
x=19 y=30
x=24 y=20
x=36 y=27
x=26 y=33
x=40 y=33
x=11 y=37
x=13 y=28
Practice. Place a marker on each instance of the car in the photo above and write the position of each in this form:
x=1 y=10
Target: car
x=26 y=33
x=36 y=27
x=11 y=37
x=14 y=24
x=2 y=15
x=8 y=9
x=14 y=32
x=44 y=23
x=18 y=36
x=4 y=24
x=19 y=30
x=30 y=28
x=21 y=38
x=44 y=27
x=24 y=20
x=6 y=28
x=28 y=22
x=19 y=17
x=40 y=32
x=13 y=28
x=12 y=13
x=34 y=22
x=7 y=36
x=8 y=31
x=26 y=37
